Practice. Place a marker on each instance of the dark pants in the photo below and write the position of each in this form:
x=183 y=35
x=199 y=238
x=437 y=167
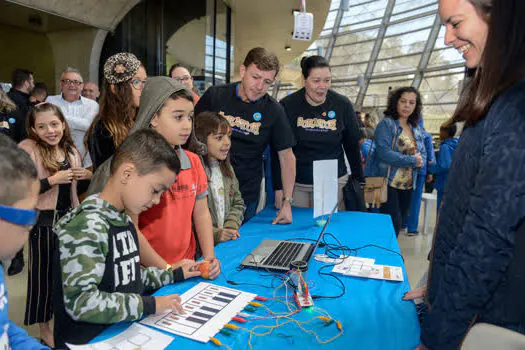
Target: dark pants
x=397 y=206
x=251 y=210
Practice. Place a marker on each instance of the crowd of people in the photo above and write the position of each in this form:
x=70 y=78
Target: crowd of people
x=148 y=163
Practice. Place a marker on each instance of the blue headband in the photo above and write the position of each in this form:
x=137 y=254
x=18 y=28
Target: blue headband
x=24 y=217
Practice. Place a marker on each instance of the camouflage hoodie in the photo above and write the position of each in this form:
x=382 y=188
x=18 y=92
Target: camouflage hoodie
x=100 y=274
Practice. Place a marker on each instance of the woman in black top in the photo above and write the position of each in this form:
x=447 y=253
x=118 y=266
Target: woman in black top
x=325 y=127
x=124 y=78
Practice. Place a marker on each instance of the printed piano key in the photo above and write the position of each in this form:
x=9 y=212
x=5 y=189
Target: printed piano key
x=227 y=295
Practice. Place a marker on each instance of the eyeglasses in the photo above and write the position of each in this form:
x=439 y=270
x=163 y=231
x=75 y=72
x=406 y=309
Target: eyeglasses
x=17 y=216
x=138 y=84
x=182 y=79
x=71 y=82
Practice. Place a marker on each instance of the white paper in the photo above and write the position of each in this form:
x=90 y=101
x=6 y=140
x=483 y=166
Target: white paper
x=135 y=337
x=207 y=308
x=364 y=267
x=303 y=26
x=325 y=186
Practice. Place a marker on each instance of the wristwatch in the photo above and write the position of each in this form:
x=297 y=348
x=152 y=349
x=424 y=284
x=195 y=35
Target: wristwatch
x=288 y=199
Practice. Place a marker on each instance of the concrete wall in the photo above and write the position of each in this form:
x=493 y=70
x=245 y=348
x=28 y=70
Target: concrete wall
x=75 y=48
x=26 y=49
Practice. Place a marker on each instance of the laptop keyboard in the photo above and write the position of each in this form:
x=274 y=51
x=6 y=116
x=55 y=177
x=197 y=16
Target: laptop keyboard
x=284 y=254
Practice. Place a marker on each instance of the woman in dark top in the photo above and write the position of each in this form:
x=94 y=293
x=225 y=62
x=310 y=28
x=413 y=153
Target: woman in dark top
x=124 y=78
x=476 y=272
x=325 y=127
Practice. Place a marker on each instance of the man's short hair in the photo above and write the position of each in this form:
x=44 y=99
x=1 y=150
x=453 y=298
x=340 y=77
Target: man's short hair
x=148 y=151
x=263 y=59
x=70 y=69
x=16 y=171
x=20 y=76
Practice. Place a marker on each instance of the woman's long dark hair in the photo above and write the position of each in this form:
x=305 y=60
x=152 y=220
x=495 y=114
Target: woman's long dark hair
x=391 y=109
x=502 y=63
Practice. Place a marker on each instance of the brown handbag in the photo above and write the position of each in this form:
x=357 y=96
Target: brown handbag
x=376 y=187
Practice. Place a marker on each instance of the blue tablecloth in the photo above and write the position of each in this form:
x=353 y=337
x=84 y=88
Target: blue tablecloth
x=371 y=311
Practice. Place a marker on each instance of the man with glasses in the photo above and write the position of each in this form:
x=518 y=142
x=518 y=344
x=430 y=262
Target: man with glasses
x=79 y=111
x=182 y=75
x=19 y=190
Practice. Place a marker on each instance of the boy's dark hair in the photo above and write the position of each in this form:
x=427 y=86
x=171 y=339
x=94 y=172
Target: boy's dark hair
x=16 y=171
x=148 y=151
x=391 y=110
x=40 y=88
x=263 y=59
x=449 y=128
x=310 y=62
x=208 y=123
x=20 y=76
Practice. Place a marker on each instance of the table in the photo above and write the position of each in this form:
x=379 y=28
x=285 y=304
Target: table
x=371 y=311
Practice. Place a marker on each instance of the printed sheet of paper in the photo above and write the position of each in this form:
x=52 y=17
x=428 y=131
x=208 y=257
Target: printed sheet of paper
x=325 y=186
x=303 y=26
x=364 y=267
x=207 y=308
x=135 y=337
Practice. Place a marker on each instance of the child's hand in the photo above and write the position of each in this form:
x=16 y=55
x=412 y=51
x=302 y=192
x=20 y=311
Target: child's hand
x=61 y=177
x=190 y=268
x=168 y=303
x=82 y=174
x=215 y=267
x=228 y=234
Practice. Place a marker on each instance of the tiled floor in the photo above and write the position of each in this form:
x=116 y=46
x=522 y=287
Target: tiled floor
x=415 y=250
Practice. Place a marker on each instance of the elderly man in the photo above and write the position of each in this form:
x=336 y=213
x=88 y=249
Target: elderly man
x=78 y=111
x=91 y=91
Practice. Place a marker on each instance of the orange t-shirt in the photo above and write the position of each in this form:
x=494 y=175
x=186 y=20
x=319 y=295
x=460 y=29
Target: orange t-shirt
x=168 y=225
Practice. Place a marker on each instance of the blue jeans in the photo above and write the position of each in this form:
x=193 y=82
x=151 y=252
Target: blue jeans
x=412 y=222
x=251 y=210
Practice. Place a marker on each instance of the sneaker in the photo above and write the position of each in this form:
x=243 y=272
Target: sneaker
x=403 y=231
x=413 y=233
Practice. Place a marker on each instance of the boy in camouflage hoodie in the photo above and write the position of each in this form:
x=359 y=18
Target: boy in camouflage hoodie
x=99 y=276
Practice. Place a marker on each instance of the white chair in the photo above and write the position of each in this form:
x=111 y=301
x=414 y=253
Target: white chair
x=427 y=199
x=485 y=336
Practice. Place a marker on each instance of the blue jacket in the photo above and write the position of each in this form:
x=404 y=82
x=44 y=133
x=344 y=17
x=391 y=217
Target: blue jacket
x=440 y=168
x=10 y=333
x=429 y=151
x=475 y=241
x=383 y=156
x=365 y=149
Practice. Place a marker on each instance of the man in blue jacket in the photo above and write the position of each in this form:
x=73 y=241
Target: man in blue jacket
x=19 y=190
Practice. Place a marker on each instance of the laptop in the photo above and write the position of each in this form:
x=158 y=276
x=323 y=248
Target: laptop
x=277 y=255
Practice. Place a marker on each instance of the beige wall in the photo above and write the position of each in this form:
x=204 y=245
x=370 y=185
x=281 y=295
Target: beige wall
x=26 y=49
x=72 y=48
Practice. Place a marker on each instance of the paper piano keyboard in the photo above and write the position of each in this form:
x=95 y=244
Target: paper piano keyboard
x=207 y=309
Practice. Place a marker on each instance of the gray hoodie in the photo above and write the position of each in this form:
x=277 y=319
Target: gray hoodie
x=156 y=91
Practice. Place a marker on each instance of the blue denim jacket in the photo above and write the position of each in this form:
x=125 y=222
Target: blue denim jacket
x=384 y=156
